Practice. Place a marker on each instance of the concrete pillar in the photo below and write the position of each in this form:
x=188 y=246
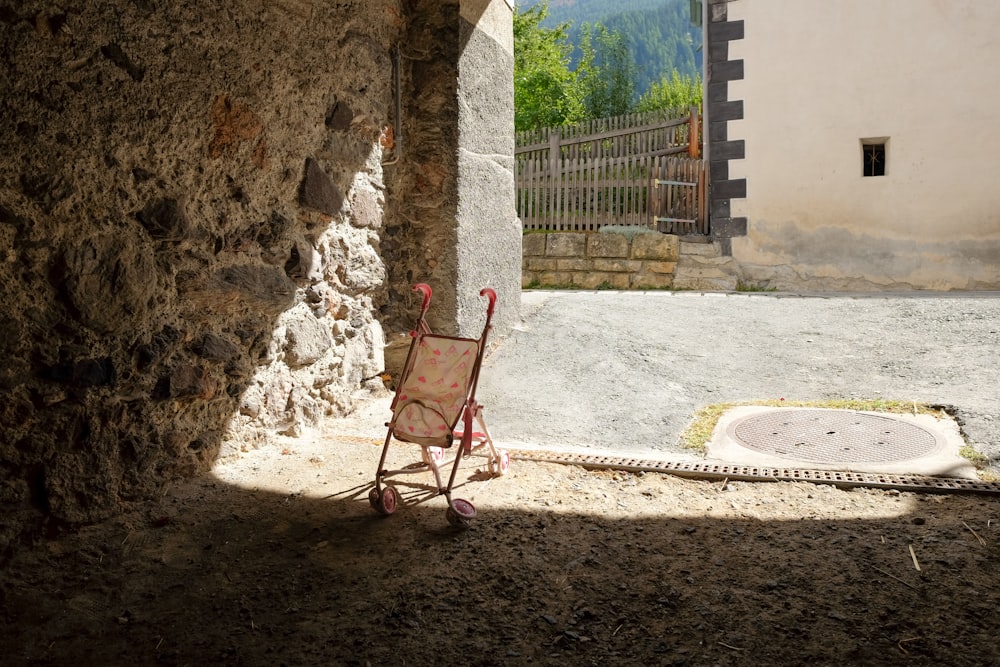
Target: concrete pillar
x=489 y=232
x=451 y=220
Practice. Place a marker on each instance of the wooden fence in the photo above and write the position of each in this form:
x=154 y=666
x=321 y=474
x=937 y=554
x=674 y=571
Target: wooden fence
x=664 y=193
x=651 y=134
x=640 y=169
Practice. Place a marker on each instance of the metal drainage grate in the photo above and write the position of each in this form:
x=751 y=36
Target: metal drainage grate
x=918 y=483
x=833 y=436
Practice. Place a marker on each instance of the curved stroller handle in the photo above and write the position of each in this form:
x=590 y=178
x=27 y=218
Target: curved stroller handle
x=490 y=294
x=425 y=289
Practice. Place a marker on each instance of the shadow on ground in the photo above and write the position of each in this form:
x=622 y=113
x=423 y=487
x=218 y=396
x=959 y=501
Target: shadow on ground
x=278 y=559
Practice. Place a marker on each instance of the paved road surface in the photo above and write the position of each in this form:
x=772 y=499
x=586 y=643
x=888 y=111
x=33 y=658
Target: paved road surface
x=626 y=371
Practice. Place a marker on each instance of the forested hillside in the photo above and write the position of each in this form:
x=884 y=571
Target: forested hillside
x=591 y=11
x=658 y=33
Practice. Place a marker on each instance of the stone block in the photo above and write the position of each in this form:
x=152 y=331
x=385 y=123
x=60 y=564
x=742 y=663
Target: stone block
x=533 y=245
x=110 y=281
x=339 y=116
x=662 y=247
x=573 y=264
x=652 y=281
x=616 y=265
x=216 y=348
x=366 y=211
x=540 y=264
x=266 y=289
x=307 y=338
x=607 y=245
x=566 y=244
x=93 y=372
x=318 y=190
x=597 y=279
x=189 y=381
x=660 y=268
x=699 y=249
x=555 y=278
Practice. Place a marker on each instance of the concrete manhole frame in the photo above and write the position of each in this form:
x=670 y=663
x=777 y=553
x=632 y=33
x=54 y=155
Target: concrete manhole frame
x=826 y=435
x=929 y=445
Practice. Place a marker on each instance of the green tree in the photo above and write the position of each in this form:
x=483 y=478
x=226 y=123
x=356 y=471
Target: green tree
x=545 y=90
x=606 y=73
x=672 y=92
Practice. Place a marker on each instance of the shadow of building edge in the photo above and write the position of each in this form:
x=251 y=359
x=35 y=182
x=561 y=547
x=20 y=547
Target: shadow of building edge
x=254 y=575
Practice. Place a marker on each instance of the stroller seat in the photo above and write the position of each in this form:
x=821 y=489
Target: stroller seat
x=430 y=401
x=436 y=392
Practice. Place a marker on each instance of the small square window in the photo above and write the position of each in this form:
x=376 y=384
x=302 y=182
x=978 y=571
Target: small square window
x=874 y=156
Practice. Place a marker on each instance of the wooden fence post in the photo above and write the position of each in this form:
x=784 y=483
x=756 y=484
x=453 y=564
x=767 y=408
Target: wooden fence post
x=694 y=145
x=555 y=172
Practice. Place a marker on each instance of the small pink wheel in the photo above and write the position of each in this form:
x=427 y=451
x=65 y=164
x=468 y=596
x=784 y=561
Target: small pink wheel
x=461 y=512
x=501 y=466
x=388 y=501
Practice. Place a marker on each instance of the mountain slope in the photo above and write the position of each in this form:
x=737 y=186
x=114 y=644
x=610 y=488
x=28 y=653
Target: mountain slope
x=659 y=33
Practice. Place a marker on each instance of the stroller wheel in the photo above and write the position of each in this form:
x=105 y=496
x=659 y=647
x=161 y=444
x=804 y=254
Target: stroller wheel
x=388 y=501
x=461 y=512
x=502 y=464
x=373 y=498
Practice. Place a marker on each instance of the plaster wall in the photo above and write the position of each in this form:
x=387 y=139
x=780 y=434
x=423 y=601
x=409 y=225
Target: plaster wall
x=821 y=76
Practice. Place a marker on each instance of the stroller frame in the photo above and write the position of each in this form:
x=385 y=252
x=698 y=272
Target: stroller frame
x=412 y=397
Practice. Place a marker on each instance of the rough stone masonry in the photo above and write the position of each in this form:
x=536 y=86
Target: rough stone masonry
x=192 y=199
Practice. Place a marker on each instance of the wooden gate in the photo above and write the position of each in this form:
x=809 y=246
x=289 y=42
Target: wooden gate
x=677 y=201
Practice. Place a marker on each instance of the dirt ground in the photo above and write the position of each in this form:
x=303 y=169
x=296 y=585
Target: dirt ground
x=277 y=559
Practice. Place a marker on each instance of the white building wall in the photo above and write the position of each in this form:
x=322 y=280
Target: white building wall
x=820 y=75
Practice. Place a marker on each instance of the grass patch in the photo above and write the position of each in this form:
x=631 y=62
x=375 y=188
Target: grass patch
x=750 y=287
x=980 y=461
x=536 y=284
x=699 y=433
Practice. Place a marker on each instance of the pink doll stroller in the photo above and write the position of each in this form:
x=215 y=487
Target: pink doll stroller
x=436 y=390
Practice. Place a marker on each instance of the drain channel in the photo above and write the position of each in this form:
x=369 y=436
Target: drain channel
x=918 y=483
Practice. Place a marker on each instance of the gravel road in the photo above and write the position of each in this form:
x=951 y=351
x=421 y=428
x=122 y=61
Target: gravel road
x=626 y=371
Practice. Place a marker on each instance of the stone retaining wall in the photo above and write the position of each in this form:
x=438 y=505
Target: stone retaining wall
x=589 y=260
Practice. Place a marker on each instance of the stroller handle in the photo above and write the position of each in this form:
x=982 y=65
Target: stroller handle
x=490 y=294
x=425 y=289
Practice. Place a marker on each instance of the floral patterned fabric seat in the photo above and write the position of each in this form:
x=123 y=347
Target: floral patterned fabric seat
x=434 y=393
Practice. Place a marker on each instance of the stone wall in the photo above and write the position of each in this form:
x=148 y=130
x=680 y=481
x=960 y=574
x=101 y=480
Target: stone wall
x=420 y=218
x=211 y=216
x=450 y=221
x=200 y=241
x=593 y=260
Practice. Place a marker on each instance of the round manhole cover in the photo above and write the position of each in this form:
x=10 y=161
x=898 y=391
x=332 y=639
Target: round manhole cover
x=832 y=436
